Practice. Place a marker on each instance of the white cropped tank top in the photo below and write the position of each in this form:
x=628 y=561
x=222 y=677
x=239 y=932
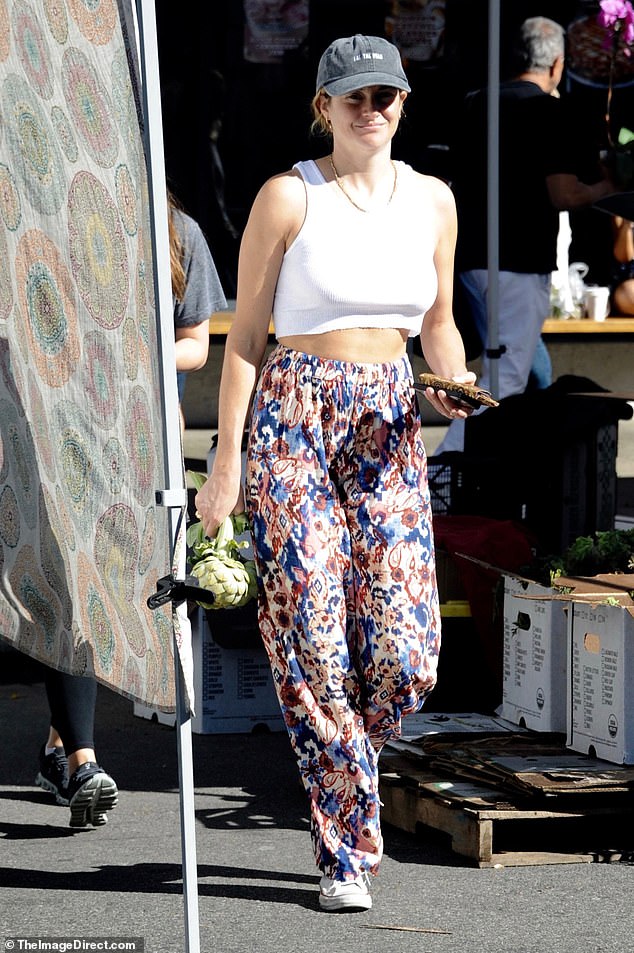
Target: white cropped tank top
x=350 y=269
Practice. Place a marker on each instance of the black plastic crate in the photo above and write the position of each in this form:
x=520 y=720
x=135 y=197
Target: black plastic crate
x=444 y=477
x=547 y=458
x=462 y=484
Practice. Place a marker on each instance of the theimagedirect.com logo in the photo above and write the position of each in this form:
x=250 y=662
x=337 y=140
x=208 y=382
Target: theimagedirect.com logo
x=35 y=944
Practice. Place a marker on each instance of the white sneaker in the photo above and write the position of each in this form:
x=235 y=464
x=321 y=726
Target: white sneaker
x=335 y=895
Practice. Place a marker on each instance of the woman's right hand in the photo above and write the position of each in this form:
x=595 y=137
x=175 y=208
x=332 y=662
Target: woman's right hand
x=450 y=406
x=219 y=497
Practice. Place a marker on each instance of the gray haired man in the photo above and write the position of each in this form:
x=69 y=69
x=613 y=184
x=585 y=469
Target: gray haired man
x=537 y=180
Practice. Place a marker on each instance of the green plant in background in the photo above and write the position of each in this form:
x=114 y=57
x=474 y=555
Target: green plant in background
x=623 y=160
x=218 y=563
x=605 y=551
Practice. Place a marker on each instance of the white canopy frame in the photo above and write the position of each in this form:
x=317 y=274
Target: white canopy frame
x=174 y=494
x=493 y=194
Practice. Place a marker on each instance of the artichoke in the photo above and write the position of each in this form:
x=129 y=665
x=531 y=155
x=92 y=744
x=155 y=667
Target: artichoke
x=226 y=578
x=218 y=564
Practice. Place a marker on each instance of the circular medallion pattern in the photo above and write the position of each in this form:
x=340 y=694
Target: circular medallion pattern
x=97 y=251
x=113 y=465
x=82 y=609
x=65 y=520
x=145 y=255
x=10 y=208
x=9 y=517
x=8 y=620
x=132 y=679
x=140 y=445
x=41 y=431
x=148 y=541
x=89 y=106
x=22 y=341
x=76 y=454
x=142 y=306
x=116 y=549
x=7 y=370
x=47 y=302
x=125 y=107
x=54 y=559
x=96 y=19
x=126 y=199
x=96 y=610
x=132 y=625
x=37 y=159
x=5 y=32
x=159 y=662
x=98 y=378
x=4 y=466
x=130 y=348
x=65 y=134
x=6 y=284
x=77 y=654
x=20 y=453
x=152 y=675
x=98 y=624
x=32 y=48
x=37 y=599
x=55 y=13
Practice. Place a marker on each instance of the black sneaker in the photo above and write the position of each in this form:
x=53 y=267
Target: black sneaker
x=53 y=773
x=91 y=793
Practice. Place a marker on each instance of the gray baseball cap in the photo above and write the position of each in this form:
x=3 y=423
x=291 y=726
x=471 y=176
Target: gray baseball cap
x=356 y=61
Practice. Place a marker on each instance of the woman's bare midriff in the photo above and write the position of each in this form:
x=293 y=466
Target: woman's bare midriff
x=357 y=345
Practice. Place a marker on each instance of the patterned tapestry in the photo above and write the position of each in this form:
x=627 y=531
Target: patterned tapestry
x=82 y=542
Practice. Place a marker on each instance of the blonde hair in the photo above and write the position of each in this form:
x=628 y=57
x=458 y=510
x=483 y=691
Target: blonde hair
x=320 y=126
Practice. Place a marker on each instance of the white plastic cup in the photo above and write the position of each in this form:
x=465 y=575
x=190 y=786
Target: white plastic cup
x=596 y=302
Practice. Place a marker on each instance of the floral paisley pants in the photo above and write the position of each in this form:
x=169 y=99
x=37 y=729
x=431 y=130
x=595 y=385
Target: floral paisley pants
x=349 y=615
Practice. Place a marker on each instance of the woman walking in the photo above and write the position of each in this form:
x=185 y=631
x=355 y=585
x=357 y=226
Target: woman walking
x=351 y=254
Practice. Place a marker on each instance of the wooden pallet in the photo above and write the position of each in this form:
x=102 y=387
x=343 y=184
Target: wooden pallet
x=489 y=829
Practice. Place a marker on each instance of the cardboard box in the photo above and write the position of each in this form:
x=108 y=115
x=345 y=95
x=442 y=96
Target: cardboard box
x=535 y=656
x=601 y=709
x=233 y=688
x=536 y=674
x=569 y=660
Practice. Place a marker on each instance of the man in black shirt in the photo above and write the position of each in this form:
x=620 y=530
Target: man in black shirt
x=537 y=179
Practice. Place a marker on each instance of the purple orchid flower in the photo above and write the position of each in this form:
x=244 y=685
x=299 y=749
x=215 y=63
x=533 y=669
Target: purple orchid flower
x=618 y=16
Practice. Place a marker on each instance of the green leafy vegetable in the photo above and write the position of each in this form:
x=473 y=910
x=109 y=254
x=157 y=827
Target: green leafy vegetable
x=218 y=563
x=625 y=136
x=606 y=551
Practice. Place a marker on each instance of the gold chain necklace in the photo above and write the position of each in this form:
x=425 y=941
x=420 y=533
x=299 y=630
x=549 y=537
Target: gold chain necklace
x=346 y=193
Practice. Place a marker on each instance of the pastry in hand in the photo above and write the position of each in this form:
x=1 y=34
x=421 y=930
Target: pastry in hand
x=469 y=394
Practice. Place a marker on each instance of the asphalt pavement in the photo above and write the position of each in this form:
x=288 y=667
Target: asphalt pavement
x=257 y=883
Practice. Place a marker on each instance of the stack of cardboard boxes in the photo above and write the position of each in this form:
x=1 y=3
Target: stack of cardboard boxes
x=569 y=661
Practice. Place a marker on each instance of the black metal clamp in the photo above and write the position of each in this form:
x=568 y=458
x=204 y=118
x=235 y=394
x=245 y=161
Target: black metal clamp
x=176 y=591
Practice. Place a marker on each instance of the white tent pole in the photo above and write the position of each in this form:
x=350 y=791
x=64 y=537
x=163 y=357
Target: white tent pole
x=493 y=194
x=174 y=494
